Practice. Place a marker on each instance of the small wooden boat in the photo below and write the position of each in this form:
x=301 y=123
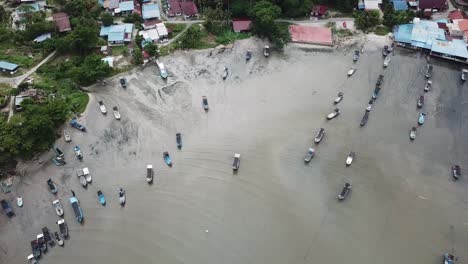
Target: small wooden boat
x=36 y=249
x=428 y=86
x=350 y=158
x=63 y=227
x=19 y=201
x=32 y=259
x=386 y=61
x=319 y=136
x=225 y=73
x=310 y=153
x=179 y=140
x=122 y=197
x=101 y=197
x=149 y=173
x=78 y=153
x=116 y=112
x=344 y=192
x=205 y=103
x=102 y=107
x=236 y=163
x=58 y=239
x=351 y=71
x=167 y=158
x=412 y=133
x=58 y=207
x=456 y=171
x=338 y=98
x=66 y=135
x=266 y=51
x=87 y=175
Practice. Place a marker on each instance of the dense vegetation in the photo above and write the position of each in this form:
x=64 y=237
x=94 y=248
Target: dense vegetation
x=33 y=129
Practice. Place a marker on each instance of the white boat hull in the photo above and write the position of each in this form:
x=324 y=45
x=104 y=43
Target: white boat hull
x=19 y=201
x=349 y=160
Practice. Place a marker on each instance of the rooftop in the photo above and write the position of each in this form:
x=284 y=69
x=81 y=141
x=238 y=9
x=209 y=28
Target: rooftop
x=34 y=8
x=174 y=7
x=42 y=38
x=456 y=47
x=189 y=8
x=310 y=34
x=400 y=5
x=8 y=66
x=430 y=4
x=456 y=14
x=151 y=11
x=240 y=25
x=62 y=21
x=126 y=6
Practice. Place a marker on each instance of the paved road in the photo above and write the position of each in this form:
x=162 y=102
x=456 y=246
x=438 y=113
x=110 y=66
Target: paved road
x=15 y=81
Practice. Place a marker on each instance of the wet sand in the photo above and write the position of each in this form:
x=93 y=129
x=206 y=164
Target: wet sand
x=404 y=206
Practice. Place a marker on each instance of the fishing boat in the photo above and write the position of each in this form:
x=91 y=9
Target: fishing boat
x=351 y=71
x=420 y=102
x=456 y=171
x=122 y=197
x=102 y=107
x=42 y=243
x=58 y=239
x=47 y=237
x=77 y=209
x=19 y=201
x=101 y=197
x=179 y=140
x=344 y=192
x=333 y=114
x=319 y=136
x=58 y=207
x=350 y=158
x=167 y=158
x=236 y=163
x=428 y=86
x=66 y=135
x=248 y=55
x=412 y=133
x=81 y=178
x=421 y=118
x=63 y=227
x=205 y=103
x=87 y=175
x=309 y=155
x=225 y=73
x=149 y=173
x=32 y=259
x=386 y=61
x=449 y=258
x=162 y=69
x=115 y=111
x=266 y=51
x=36 y=249
x=338 y=98
x=78 y=153
x=53 y=189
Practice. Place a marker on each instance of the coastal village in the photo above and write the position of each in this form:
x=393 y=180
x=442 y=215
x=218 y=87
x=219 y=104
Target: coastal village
x=165 y=98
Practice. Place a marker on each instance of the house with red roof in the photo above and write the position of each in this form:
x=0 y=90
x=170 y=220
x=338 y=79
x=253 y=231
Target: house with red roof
x=456 y=14
x=241 y=25
x=433 y=4
x=189 y=9
x=319 y=11
x=62 y=22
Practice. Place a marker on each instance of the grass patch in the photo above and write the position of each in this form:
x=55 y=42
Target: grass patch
x=19 y=55
x=120 y=50
x=176 y=28
x=381 y=30
x=230 y=36
x=5 y=89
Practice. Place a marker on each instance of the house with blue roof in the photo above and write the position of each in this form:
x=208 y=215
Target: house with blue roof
x=427 y=35
x=151 y=11
x=117 y=34
x=8 y=67
x=400 y=5
x=126 y=7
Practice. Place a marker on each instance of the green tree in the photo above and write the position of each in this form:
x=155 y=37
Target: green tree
x=191 y=38
x=151 y=48
x=240 y=8
x=295 y=8
x=92 y=69
x=81 y=40
x=365 y=20
x=137 y=56
x=82 y=8
x=107 y=19
x=138 y=40
x=264 y=14
x=217 y=20
x=3 y=14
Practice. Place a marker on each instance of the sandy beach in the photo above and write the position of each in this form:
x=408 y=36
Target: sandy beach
x=404 y=206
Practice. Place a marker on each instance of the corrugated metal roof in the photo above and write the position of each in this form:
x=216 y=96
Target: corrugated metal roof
x=104 y=31
x=42 y=38
x=151 y=11
x=113 y=4
x=403 y=33
x=456 y=47
x=162 y=30
x=8 y=66
x=116 y=36
x=400 y=5
x=126 y=6
x=425 y=32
